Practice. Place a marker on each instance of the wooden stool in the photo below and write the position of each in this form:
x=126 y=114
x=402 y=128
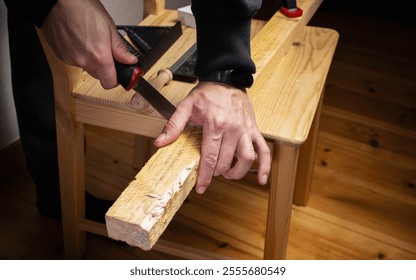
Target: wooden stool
x=292 y=63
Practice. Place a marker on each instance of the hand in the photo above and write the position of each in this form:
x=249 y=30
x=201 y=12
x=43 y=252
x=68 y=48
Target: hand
x=83 y=34
x=229 y=129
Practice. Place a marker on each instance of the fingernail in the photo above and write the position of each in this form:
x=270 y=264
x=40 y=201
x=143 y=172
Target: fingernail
x=131 y=56
x=200 y=190
x=161 y=137
x=264 y=179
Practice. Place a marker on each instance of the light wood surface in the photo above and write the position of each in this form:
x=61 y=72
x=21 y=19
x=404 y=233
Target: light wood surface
x=70 y=136
x=153 y=7
x=148 y=204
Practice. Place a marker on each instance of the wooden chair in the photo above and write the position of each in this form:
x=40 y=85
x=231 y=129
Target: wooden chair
x=292 y=63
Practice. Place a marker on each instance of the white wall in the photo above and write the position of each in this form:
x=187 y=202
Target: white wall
x=8 y=122
x=123 y=12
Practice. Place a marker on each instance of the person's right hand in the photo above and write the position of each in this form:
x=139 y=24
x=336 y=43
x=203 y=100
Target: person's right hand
x=82 y=33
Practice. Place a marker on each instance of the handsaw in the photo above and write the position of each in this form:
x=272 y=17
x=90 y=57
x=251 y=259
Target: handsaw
x=130 y=77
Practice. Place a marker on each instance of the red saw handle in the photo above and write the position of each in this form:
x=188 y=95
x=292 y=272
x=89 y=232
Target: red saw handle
x=127 y=75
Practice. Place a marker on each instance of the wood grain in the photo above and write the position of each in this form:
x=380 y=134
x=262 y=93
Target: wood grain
x=145 y=208
x=292 y=86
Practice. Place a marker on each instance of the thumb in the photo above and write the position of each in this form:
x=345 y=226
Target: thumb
x=175 y=125
x=170 y=133
x=119 y=50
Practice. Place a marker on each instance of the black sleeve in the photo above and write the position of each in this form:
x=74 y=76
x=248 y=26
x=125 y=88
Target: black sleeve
x=35 y=11
x=223 y=34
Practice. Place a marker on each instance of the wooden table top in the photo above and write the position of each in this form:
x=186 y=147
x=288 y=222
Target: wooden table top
x=292 y=63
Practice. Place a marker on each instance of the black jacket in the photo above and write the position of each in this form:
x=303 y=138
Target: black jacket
x=35 y=10
x=223 y=34
x=223 y=30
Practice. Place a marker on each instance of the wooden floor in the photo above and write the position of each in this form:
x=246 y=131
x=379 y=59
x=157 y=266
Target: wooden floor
x=363 y=202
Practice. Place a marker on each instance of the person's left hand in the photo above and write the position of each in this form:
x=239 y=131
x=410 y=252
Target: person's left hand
x=229 y=130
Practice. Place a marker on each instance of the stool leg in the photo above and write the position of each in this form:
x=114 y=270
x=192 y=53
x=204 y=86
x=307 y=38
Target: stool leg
x=306 y=162
x=283 y=172
x=142 y=150
x=143 y=145
x=72 y=184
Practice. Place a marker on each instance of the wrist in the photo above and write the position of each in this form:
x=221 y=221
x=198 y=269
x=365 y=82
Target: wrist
x=235 y=77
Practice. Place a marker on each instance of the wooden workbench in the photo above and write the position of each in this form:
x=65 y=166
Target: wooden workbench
x=292 y=63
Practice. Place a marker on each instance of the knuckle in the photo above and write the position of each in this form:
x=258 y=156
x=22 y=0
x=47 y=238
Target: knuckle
x=219 y=122
x=265 y=151
x=222 y=168
x=210 y=161
x=236 y=175
x=171 y=125
x=248 y=157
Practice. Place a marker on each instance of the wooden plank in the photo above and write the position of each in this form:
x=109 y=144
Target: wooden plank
x=145 y=208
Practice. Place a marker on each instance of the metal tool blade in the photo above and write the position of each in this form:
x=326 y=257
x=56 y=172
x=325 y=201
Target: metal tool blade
x=155 y=98
x=183 y=69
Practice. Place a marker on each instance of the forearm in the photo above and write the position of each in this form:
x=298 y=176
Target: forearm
x=223 y=34
x=35 y=11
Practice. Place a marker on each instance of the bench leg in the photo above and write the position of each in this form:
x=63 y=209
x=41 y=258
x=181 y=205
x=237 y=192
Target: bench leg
x=72 y=184
x=283 y=173
x=142 y=150
x=306 y=162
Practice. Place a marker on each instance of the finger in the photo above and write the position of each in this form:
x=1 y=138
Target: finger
x=210 y=148
x=104 y=68
x=245 y=158
x=264 y=159
x=106 y=72
x=175 y=125
x=226 y=155
x=119 y=50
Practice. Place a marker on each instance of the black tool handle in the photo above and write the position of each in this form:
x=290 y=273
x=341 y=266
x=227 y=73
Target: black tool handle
x=127 y=75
